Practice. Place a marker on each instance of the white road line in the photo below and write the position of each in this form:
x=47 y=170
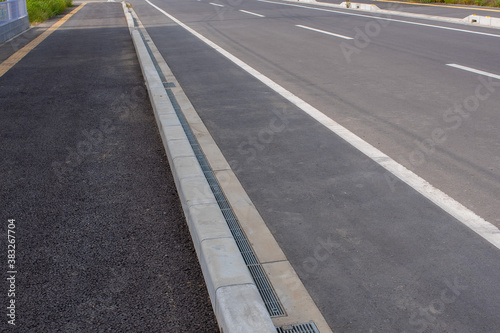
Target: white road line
x=216 y=4
x=384 y=19
x=477 y=71
x=483 y=228
x=244 y=11
x=323 y=31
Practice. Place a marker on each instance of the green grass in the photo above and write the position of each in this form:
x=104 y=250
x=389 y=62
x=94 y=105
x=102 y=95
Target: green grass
x=41 y=10
x=490 y=3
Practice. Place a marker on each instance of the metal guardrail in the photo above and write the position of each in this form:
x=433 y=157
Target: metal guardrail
x=12 y=10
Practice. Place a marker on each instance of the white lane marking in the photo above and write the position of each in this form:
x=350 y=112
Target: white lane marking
x=384 y=19
x=323 y=31
x=216 y=4
x=483 y=228
x=473 y=70
x=245 y=11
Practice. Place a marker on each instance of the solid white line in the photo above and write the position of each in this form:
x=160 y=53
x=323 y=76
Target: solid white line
x=216 y=4
x=384 y=19
x=323 y=31
x=477 y=71
x=483 y=228
x=244 y=11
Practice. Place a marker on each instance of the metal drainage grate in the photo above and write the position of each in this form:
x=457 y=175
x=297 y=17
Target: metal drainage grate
x=298 y=328
x=266 y=291
x=269 y=297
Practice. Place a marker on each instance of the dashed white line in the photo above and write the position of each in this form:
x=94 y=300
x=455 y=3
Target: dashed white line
x=245 y=11
x=216 y=4
x=323 y=31
x=473 y=70
x=383 y=19
x=466 y=216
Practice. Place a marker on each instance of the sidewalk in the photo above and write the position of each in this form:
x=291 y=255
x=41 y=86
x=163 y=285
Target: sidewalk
x=102 y=243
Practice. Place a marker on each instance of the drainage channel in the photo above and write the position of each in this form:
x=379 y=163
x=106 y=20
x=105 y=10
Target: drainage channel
x=299 y=328
x=266 y=291
x=264 y=287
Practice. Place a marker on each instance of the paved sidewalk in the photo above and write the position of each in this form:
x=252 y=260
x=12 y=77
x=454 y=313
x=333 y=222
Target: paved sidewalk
x=101 y=240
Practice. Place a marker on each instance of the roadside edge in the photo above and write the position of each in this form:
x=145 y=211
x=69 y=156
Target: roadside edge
x=235 y=299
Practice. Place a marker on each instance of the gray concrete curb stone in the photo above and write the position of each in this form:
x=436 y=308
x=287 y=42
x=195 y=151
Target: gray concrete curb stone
x=235 y=299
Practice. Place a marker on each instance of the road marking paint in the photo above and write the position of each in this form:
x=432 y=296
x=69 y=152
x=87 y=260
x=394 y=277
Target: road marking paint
x=216 y=4
x=20 y=54
x=476 y=223
x=244 y=11
x=323 y=31
x=384 y=19
x=446 y=6
x=477 y=71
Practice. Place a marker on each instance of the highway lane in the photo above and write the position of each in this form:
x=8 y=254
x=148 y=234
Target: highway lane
x=392 y=253
x=395 y=90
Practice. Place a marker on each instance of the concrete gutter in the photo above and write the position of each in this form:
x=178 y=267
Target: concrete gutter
x=475 y=20
x=235 y=299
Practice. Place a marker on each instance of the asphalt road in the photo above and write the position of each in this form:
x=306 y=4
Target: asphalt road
x=394 y=261
x=102 y=243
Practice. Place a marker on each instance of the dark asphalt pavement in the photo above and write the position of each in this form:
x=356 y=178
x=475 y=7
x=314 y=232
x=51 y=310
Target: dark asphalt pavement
x=101 y=240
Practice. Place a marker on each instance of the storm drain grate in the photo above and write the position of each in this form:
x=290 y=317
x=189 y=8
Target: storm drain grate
x=269 y=297
x=266 y=291
x=298 y=328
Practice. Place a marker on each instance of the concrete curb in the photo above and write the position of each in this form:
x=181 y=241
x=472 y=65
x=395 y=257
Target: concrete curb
x=483 y=20
x=362 y=6
x=235 y=299
x=471 y=20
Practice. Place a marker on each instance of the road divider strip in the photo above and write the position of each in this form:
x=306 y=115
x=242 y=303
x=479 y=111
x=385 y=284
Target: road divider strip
x=437 y=5
x=236 y=301
x=461 y=213
x=300 y=309
x=390 y=12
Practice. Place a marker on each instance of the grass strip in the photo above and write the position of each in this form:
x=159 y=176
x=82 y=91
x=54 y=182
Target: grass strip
x=41 y=10
x=489 y=3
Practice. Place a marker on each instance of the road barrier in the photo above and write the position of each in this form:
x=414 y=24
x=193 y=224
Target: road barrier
x=13 y=18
